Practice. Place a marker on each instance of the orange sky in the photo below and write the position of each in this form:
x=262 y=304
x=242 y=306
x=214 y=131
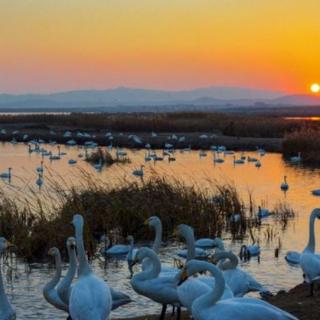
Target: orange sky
x=51 y=45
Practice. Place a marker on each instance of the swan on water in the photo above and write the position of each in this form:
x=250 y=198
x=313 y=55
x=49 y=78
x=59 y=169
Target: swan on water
x=149 y=283
x=49 y=291
x=209 y=306
x=90 y=296
x=284 y=185
x=206 y=243
x=6 y=175
x=293 y=257
x=6 y=310
x=138 y=172
x=191 y=252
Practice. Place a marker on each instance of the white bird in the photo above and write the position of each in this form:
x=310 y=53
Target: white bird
x=206 y=243
x=40 y=168
x=6 y=310
x=249 y=251
x=138 y=172
x=64 y=287
x=208 y=306
x=310 y=262
x=284 y=185
x=191 y=252
x=239 y=281
x=90 y=296
x=117 y=249
x=39 y=181
x=293 y=257
x=6 y=175
x=193 y=288
x=149 y=283
x=296 y=159
x=238 y=161
x=49 y=291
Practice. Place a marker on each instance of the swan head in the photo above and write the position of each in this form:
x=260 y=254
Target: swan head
x=77 y=220
x=152 y=221
x=53 y=252
x=142 y=253
x=4 y=244
x=316 y=213
x=192 y=267
x=71 y=243
x=184 y=230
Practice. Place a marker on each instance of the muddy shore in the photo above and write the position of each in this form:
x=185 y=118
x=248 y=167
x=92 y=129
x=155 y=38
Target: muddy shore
x=296 y=301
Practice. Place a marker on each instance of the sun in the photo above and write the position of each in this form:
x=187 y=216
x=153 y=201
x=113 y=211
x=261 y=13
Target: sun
x=315 y=88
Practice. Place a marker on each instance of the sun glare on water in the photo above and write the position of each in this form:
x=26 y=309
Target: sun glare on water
x=315 y=88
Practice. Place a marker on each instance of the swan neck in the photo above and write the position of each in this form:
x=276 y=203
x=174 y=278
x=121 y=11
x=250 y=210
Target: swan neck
x=226 y=265
x=158 y=237
x=189 y=237
x=3 y=297
x=311 y=242
x=152 y=270
x=84 y=267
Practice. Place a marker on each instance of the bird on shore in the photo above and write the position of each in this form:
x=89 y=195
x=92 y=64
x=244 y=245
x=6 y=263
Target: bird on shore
x=209 y=306
x=149 y=283
x=90 y=296
x=6 y=310
x=293 y=257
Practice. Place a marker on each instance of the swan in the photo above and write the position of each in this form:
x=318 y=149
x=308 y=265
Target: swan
x=49 y=291
x=206 y=243
x=149 y=283
x=296 y=159
x=284 y=185
x=40 y=168
x=293 y=257
x=6 y=175
x=64 y=288
x=310 y=262
x=191 y=252
x=131 y=254
x=72 y=161
x=249 y=251
x=90 y=296
x=217 y=159
x=156 y=224
x=239 y=281
x=238 y=161
x=6 y=310
x=118 y=249
x=138 y=172
x=98 y=166
x=263 y=213
x=208 y=306
x=39 y=181
x=193 y=288
x=258 y=164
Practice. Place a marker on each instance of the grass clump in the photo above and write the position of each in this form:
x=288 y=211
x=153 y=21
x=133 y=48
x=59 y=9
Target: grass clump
x=104 y=157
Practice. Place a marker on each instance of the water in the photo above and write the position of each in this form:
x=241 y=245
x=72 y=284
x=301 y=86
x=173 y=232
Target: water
x=25 y=291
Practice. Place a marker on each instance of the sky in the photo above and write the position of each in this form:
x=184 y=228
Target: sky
x=54 y=45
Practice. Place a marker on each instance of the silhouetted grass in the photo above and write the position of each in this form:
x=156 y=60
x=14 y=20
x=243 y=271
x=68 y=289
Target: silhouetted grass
x=106 y=158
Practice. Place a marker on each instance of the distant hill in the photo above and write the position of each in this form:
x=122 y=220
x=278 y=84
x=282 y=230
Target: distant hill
x=131 y=99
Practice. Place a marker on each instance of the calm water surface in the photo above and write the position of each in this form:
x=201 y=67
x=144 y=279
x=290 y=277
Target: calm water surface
x=25 y=291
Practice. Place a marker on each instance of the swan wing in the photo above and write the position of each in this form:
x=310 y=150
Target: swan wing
x=310 y=264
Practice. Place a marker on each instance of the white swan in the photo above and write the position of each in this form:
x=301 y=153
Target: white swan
x=296 y=159
x=284 y=185
x=90 y=296
x=6 y=310
x=293 y=257
x=208 y=306
x=49 y=291
x=193 y=288
x=239 y=281
x=156 y=224
x=310 y=262
x=6 y=175
x=149 y=283
x=191 y=252
x=115 y=250
x=206 y=243
x=65 y=286
x=139 y=172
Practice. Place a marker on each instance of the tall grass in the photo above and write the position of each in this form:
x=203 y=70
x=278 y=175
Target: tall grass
x=35 y=226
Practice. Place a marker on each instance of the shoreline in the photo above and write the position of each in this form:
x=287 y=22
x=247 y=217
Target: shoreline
x=296 y=301
x=121 y=139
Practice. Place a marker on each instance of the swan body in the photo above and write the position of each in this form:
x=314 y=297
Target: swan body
x=90 y=296
x=149 y=283
x=65 y=286
x=250 y=251
x=209 y=306
x=296 y=159
x=293 y=257
x=39 y=181
x=138 y=172
x=206 y=243
x=6 y=175
x=119 y=299
x=191 y=252
x=40 y=169
x=193 y=288
x=6 y=310
x=238 y=161
x=316 y=192
x=49 y=291
x=263 y=213
x=258 y=164
x=72 y=161
x=239 y=281
x=310 y=262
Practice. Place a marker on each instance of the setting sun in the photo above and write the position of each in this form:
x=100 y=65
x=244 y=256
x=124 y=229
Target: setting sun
x=315 y=88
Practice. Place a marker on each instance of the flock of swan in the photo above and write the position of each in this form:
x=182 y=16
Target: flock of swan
x=208 y=286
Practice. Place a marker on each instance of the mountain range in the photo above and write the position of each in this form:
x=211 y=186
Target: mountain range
x=132 y=98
